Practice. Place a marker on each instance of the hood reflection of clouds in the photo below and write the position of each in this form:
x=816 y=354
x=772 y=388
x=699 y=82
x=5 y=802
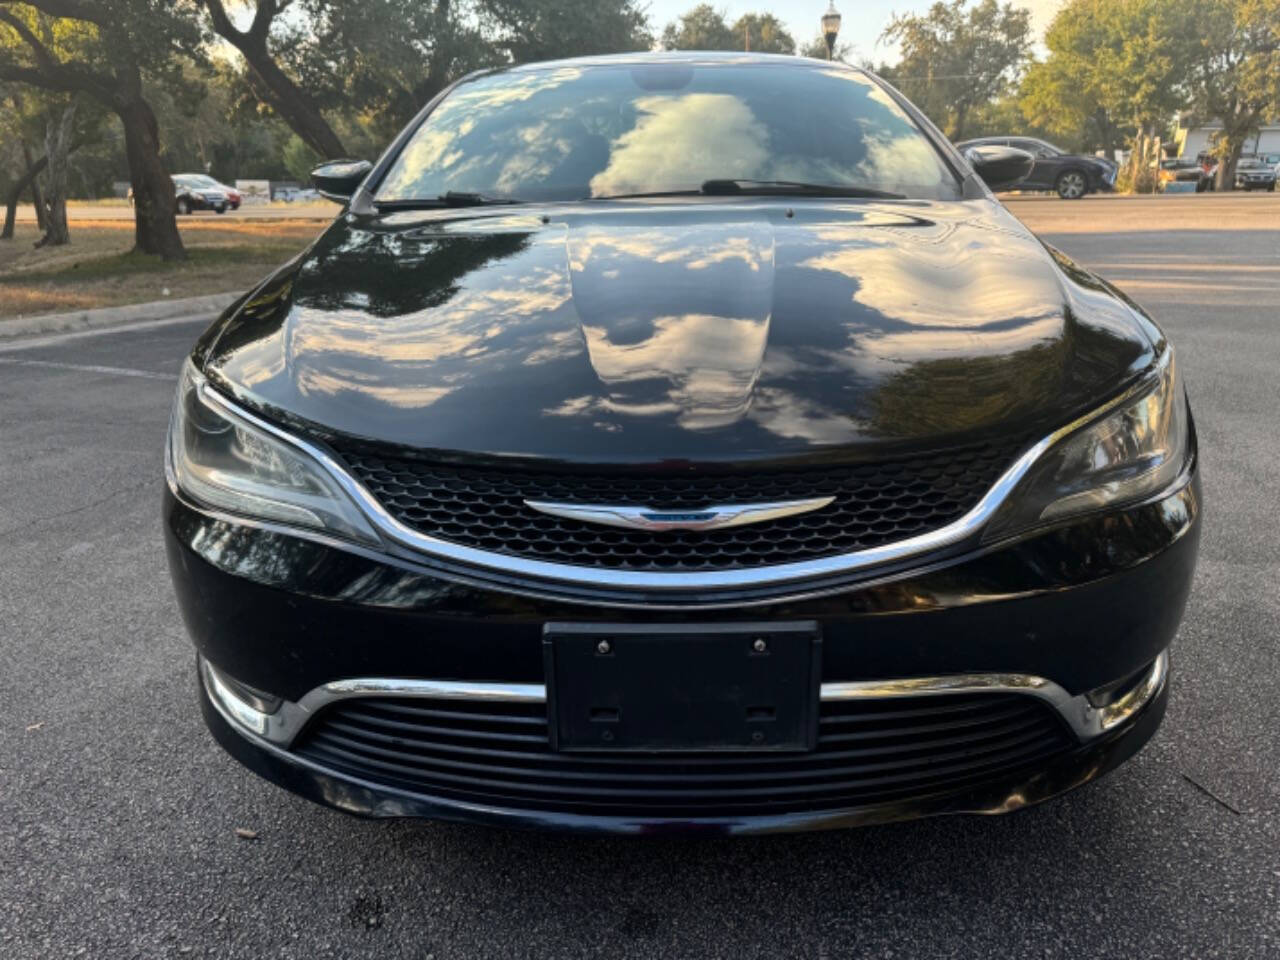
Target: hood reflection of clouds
x=672 y=354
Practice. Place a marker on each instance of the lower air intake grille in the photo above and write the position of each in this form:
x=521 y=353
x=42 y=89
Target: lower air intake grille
x=875 y=504
x=868 y=752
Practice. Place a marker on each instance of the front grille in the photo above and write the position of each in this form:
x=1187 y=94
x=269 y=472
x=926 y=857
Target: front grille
x=868 y=752
x=875 y=504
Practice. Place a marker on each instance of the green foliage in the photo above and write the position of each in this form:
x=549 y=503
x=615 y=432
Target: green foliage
x=817 y=48
x=223 y=133
x=705 y=28
x=1114 y=67
x=702 y=28
x=765 y=33
x=1234 y=72
x=1120 y=69
x=530 y=30
x=1004 y=117
x=957 y=57
x=299 y=159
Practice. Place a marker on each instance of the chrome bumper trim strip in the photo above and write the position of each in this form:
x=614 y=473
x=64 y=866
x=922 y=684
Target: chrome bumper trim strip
x=1085 y=720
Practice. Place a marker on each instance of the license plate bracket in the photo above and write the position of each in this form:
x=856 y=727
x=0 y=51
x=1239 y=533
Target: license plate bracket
x=683 y=687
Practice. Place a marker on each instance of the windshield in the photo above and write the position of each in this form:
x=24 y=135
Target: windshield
x=572 y=133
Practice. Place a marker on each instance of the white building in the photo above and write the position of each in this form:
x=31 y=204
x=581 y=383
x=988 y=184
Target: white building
x=1193 y=141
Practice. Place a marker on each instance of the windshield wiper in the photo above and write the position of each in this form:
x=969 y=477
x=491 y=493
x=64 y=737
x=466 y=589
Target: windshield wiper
x=763 y=188
x=770 y=187
x=453 y=198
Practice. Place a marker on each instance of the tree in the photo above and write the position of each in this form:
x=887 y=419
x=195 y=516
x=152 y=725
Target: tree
x=529 y=30
x=57 y=146
x=1005 y=115
x=1115 y=69
x=271 y=83
x=97 y=48
x=702 y=28
x=1234 y=74
x=299 y=159
x=19 y=126
x=763 y=33
x=388 y=56
x=956 y=58
x=817 y=48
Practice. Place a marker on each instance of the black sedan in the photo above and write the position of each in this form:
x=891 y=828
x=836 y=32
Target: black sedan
x=192 y=192
x=680 y=442
x=1069 y=175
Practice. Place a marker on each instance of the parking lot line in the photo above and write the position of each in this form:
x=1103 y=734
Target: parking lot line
x=90 y=368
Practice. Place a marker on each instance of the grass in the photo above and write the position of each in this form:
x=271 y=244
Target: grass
x=99 y=269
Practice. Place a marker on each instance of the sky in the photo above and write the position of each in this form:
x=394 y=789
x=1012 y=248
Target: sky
x=862 y=23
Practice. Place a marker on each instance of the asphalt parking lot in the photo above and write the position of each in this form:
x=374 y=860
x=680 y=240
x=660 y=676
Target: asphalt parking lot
x=118 y=814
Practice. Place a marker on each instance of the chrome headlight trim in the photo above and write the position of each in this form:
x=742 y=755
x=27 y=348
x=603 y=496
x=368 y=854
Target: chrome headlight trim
x=225 y=460
x=792 y=575
x=1122 y=454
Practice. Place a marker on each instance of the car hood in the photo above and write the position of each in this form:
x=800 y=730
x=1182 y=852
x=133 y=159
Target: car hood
x=640 y=333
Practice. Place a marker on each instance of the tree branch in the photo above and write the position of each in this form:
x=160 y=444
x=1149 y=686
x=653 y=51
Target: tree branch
x=45 y=60
x=262 y=18
x=49 y=72
x=222 y=24
x=70 y=9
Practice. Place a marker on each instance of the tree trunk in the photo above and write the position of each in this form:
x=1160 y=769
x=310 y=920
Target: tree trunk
x=37 y=197
x=57 y=143
x=291 y=102
x=15 y=194
x=155 y=227
x=1228 y=148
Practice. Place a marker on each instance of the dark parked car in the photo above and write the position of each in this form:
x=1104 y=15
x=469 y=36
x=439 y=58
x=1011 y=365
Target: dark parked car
x=1255 y=175
x=680 y=442
x=1069 y=175
x=206 y=182
x=192 y=193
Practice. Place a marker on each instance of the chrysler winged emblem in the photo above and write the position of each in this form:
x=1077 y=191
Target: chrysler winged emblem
x=654 y=518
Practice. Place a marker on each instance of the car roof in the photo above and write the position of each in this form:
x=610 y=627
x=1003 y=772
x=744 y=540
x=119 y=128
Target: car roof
x=690 y=57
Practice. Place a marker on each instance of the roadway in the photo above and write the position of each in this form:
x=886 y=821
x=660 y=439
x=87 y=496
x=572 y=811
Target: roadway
x=120 y=814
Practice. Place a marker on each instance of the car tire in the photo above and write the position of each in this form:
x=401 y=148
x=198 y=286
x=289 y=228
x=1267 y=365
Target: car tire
x=183 y=208
x=1271 y=188
x=1071 y=184
x=220 y=210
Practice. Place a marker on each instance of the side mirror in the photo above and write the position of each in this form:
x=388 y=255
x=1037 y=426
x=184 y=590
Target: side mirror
x=337 y=180
x=1000 y=167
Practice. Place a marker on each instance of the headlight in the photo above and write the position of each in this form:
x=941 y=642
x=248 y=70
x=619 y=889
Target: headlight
x=223 y=461
x=1130 y=452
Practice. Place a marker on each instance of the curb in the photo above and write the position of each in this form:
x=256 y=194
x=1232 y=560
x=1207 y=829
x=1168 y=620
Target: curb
x=113 y=316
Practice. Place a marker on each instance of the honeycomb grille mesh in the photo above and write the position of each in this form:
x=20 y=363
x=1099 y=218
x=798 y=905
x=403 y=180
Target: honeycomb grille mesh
x=875 y=504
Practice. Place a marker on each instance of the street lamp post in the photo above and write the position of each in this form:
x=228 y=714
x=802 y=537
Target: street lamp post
x=831 y=27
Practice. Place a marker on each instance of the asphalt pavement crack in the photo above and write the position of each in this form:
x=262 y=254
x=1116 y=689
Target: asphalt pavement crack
x=1211 y=795
x=36 y=521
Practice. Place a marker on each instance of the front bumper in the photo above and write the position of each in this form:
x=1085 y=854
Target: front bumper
x=1082 y=605
x=1002 y=794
